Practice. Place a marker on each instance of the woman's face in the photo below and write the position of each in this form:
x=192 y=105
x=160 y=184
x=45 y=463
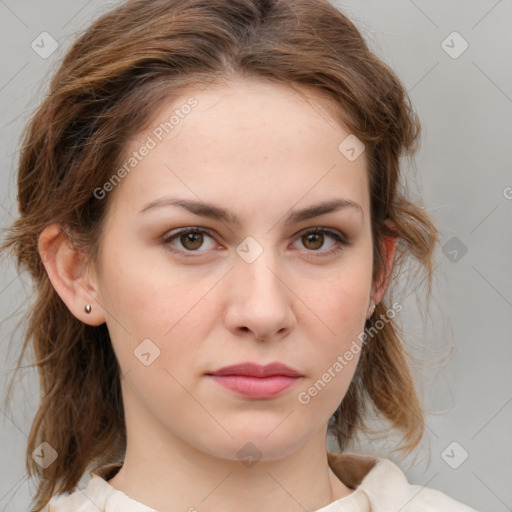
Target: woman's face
x=250 y=282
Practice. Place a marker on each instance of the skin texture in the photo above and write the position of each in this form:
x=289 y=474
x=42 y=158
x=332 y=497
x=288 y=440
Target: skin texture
x=261 y=150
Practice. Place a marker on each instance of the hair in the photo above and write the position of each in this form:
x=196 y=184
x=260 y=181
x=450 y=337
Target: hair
x=112 y=79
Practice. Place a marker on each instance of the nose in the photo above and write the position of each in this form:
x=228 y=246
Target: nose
x=259 y=301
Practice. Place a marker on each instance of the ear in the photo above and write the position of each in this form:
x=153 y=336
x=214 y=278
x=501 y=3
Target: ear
x=388 y=247
x=75 y=282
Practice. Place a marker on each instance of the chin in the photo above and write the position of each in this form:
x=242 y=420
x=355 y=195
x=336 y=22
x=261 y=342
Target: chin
x=258 y=443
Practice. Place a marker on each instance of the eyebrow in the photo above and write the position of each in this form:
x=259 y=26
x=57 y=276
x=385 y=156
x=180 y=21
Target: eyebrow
x=224 y=214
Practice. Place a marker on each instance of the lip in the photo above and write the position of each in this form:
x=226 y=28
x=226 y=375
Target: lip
x=256 y=370
x=256 y=381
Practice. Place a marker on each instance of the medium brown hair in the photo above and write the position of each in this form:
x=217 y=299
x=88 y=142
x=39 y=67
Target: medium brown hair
x=110 y=82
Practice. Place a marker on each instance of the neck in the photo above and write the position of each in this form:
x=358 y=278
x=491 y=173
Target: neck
x=169 y=475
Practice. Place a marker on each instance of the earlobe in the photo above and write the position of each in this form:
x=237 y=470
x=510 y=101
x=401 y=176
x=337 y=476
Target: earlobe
x=69 y=275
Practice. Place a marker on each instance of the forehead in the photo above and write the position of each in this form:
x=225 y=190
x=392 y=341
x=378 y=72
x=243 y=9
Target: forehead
x=246 y=141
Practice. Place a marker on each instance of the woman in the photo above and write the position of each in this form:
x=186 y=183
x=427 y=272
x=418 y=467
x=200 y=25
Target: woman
x=211 y=209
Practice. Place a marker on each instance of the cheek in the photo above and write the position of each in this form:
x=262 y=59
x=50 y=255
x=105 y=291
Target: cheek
x=169 y=308
x=335 y=325
x=340 y=303
x=140 y=293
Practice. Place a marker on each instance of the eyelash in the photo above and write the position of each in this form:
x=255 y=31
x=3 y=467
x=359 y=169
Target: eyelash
x=341 y=242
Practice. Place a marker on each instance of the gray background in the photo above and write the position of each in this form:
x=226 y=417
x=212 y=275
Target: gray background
x=463 y=172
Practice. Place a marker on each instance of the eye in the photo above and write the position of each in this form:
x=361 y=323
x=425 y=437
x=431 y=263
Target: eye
x=315 y=239
x=190 y=239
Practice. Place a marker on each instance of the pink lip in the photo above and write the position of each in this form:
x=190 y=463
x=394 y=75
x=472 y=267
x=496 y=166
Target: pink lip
x=256 y=370
x=256 y=381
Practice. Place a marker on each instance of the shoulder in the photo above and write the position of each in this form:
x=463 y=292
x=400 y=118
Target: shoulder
x=97 y=496
x=92 y=498
x=387 y=486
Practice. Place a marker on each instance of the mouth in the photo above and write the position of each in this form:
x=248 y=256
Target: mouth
x=256 y=381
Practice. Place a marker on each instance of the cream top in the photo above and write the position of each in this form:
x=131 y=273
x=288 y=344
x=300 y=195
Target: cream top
x=379 y=486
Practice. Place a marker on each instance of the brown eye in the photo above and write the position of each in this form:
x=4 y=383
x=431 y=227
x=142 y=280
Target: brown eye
x=192 y=240
x=313 y=241
x=189 y=240
x=323 y=242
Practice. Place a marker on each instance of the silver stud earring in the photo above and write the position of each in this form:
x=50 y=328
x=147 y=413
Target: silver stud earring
x=372 y=309
x=88 y=308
